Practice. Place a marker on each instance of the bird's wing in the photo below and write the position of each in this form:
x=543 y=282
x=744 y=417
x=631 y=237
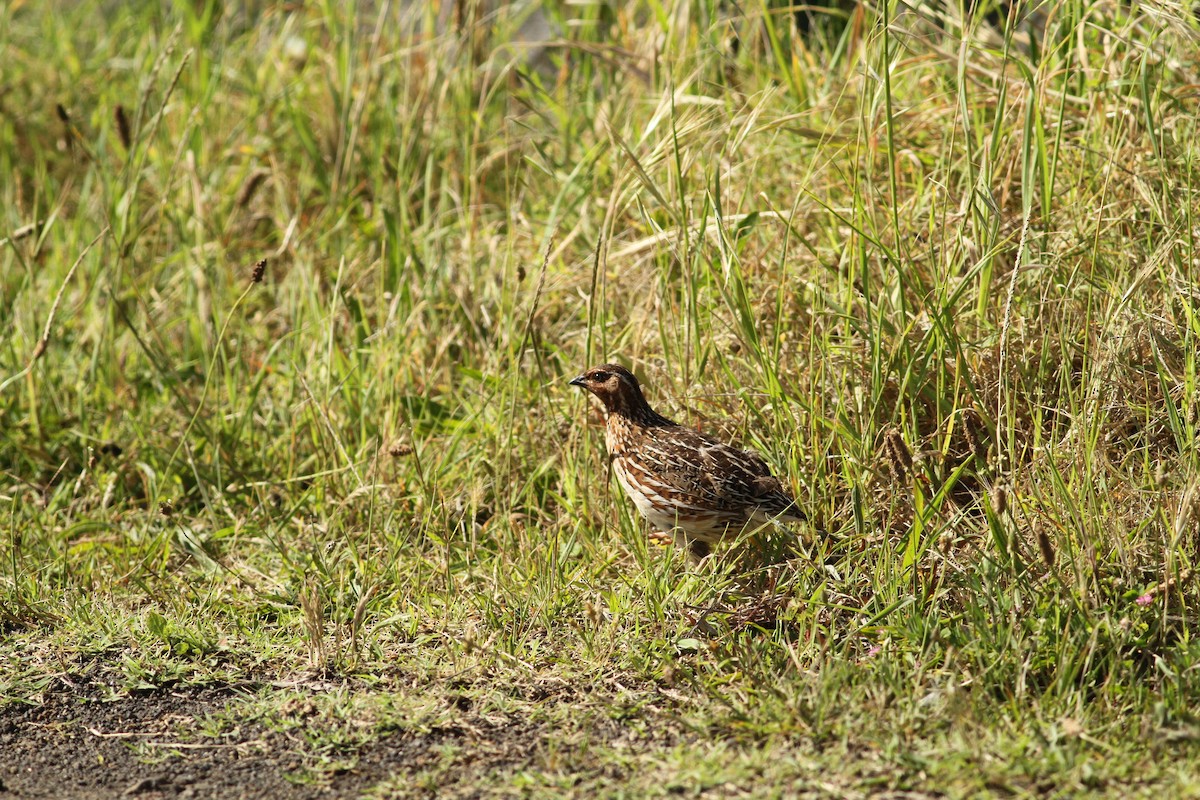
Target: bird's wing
x=721 y=476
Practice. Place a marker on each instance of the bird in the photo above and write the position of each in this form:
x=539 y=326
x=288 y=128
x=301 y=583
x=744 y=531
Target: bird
x=688 y=485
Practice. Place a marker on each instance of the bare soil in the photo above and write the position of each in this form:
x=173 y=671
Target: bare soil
x=78 y=744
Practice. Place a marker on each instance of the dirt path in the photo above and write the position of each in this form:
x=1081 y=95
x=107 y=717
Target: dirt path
x=77 y=745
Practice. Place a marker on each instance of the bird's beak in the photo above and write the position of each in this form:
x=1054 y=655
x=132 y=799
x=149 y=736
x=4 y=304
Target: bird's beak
x=577 y=381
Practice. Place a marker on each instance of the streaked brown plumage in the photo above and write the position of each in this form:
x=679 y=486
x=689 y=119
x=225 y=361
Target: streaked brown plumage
x=684 y=482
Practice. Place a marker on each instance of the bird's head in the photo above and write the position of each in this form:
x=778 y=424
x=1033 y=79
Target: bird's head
x=616 y=388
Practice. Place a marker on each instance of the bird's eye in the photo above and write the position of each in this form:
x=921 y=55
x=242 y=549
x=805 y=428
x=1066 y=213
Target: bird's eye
x=599 y=376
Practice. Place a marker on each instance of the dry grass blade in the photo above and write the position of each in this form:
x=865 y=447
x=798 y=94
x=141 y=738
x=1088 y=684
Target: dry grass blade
x=43 y=342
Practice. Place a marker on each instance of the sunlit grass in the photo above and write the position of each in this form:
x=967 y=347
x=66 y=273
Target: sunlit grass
x=887 y=239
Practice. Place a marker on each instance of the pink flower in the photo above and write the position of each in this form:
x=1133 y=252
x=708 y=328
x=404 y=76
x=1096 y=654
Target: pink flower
x=874 y=651
x=1145 y=599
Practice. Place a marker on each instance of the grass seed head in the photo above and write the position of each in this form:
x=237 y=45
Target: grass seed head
x=898 y=456
x=1047 y=548
x=973 y=431
x=25 y=230
x=123 y=131
x=946 y=540
x=1000 y=500
x=250 y=188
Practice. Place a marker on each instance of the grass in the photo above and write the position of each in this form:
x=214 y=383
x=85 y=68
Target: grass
x=941 y=274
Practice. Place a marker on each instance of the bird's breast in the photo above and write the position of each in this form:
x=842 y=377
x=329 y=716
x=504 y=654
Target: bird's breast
x=652 y=499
